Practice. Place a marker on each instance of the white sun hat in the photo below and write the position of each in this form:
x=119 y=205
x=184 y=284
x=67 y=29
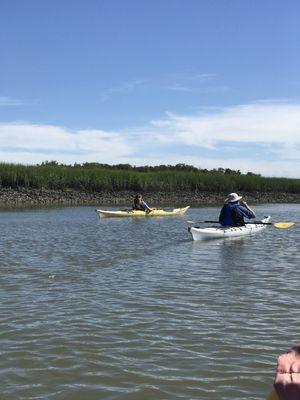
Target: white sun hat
x=232 y=197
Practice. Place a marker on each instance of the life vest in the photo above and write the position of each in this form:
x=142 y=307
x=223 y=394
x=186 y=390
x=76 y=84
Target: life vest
x=230 y=216
x=140 y=208
x=238 y=219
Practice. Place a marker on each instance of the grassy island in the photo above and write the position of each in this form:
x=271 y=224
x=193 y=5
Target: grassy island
x=97 y=179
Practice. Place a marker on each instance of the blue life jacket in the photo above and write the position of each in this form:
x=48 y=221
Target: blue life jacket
x=232 y=214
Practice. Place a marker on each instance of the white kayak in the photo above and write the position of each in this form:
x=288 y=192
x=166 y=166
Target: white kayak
x=139 y=213
x=222 y=232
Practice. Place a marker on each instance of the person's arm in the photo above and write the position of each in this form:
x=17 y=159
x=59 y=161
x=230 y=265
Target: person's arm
x=244 y=204
x=144 y=204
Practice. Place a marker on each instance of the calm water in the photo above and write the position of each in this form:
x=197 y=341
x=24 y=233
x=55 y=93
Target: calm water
x=137 y=310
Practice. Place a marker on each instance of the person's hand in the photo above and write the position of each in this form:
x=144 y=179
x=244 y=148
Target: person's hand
x=244 y=204
x=287 y=379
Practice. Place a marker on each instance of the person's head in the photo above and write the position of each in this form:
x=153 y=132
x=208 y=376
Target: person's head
x=232 y=198
x=138 y=198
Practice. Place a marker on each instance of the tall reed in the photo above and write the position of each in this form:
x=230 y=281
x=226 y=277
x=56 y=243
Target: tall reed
x=95 y=177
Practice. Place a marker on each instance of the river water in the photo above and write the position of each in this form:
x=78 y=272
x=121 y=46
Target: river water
x=134 y=309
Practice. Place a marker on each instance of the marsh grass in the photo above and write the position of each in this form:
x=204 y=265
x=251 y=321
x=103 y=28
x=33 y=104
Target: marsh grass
x=93 y=177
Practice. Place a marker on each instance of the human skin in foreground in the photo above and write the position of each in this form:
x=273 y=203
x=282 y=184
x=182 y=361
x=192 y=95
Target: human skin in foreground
x=287 y=378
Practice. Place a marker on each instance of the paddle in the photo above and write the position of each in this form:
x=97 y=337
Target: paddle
x=279 y=225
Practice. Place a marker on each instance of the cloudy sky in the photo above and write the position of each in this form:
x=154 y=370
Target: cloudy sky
x=208 y=83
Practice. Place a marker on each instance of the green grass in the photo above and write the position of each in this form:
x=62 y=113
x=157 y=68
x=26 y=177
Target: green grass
x=93 y=177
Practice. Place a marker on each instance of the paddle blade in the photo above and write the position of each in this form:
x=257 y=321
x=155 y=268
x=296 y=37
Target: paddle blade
x=283 y=225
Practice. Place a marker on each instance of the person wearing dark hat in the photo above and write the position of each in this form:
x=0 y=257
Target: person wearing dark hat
x=234 y=211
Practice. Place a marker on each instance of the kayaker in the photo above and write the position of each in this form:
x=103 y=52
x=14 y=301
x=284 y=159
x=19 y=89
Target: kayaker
x=234 y=211
x=140 y=204
x=287 y=378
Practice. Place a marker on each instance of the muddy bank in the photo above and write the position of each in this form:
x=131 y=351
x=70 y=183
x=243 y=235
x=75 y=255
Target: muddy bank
x=44 y=197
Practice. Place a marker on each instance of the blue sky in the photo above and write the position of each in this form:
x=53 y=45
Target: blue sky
x=213 y=83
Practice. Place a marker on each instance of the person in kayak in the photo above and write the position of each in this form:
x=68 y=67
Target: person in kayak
x=140 y=204
x=234 y=211
x=287 y=378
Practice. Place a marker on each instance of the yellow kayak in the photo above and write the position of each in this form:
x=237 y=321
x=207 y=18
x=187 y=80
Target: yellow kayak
x=139 y=213
x=273 y=396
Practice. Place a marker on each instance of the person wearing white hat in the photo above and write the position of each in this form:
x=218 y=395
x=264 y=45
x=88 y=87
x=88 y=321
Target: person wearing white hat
x=234 y=211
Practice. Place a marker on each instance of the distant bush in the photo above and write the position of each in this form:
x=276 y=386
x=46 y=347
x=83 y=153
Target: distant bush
x=94 y=177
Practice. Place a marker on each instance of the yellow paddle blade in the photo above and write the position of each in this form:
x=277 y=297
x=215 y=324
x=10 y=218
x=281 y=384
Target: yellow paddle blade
x=283 y=225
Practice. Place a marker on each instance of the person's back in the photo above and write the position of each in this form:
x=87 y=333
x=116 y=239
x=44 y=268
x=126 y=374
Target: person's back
x=233 y=212
x=229 y=215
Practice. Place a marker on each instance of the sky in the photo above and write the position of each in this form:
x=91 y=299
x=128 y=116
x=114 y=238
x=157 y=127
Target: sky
x=209 y=83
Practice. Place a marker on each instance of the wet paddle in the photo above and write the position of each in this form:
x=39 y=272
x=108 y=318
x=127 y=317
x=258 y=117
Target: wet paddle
x=279 y=225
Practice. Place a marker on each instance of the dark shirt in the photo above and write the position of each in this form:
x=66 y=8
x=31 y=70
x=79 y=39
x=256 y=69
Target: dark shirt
x=143 y=206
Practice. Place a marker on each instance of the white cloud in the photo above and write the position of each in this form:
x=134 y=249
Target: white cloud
x=270 y=127
x=125 y=87
x=253 y=123
x=195 y=83
x=6 y=101
x=34 y=143
x=211 y=89
x=9 y=101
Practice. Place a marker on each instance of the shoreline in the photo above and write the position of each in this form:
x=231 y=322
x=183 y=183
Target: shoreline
x=22 y=197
